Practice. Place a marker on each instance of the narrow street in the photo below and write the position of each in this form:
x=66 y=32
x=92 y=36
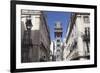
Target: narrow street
x=54 y=36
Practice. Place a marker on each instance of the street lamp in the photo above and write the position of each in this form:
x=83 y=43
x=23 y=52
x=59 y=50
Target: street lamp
x=28 y=23
x=29 y=44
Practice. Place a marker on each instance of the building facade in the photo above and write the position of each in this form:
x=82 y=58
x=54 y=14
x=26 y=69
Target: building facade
x=38 y=48
x=77 y=44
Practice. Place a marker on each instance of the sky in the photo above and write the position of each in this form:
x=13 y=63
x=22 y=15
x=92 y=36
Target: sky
x=53 y=17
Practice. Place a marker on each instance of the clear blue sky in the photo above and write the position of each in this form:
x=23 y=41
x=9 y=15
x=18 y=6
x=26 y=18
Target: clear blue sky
x=53 y=17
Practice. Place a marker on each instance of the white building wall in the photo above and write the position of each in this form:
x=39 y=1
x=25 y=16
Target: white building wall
x=76 y=34
x=80 y=27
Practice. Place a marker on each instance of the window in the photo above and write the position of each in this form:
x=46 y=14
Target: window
x=58 y=45
x=86 y=19
x=58 y=40
x=87 y=37
x=58 y=50
x=87 y=31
